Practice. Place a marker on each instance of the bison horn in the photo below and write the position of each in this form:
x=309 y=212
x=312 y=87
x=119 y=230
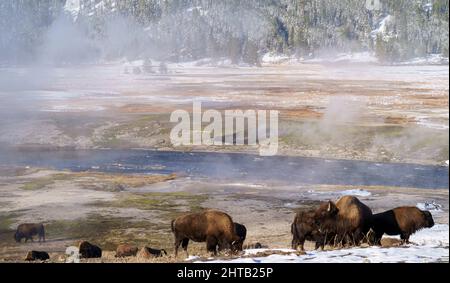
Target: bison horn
x=329 y=206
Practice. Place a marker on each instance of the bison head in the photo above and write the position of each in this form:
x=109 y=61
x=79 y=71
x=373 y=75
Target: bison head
x=325 y=215
x=428 y=219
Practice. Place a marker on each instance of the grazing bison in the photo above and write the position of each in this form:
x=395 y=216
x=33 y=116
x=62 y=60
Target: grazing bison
x=88 y=250
x=403 y=221
x=347 y=221
x=304 y=228
x=241 y=232
x=36 y=255
x=147 y=252
x=125 y=250
x=214 y=227
x=28 y=230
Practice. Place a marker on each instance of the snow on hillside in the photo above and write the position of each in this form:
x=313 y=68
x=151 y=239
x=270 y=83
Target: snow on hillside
x=73 y=8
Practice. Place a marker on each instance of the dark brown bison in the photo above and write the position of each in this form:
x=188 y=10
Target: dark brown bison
x=403 y=221
x=241 y=232
x=88 y=250
x=305 y=228
x=125 y=250
x=28 y=230
x=214 y=227
x=346 y=222
x=147 y=252
x=256 y=246
x=36 y=255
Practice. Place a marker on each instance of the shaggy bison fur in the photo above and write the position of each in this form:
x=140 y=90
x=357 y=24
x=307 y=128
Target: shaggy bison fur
x=403 y=221
x=214 y=227
x=28 y=230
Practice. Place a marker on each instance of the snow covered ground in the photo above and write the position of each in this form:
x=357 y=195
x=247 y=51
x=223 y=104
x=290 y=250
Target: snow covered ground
x=429 y=245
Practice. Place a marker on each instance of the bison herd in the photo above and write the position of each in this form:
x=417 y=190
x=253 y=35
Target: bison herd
x=347 y=222
x=351 y=222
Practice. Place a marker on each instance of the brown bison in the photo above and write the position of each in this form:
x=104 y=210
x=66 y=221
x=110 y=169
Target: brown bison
x=125 y=250
x=88 y=250
x=304 y=228
x=214 y=227
x=36 y=255
x=147 y=252
x=347 y=221
x=403 y=221
x=241 y=232
x=28 y=230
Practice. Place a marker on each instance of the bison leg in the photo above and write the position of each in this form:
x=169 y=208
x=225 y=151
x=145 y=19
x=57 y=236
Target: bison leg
x=184 y=245
x=405 y=238
x=177 y=245
x=357 y=237
x=301 y=242
x=295 y=244
x=211 y=245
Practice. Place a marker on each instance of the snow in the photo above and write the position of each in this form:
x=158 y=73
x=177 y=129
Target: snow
x=428 y=245
x=356 y=57
x=273 y=58
x=73 y=8
x=382 y=27
x=430 y=206
x=432 y=59
x=352 y=192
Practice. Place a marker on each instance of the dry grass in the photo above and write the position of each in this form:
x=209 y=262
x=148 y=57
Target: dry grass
x=132 y=181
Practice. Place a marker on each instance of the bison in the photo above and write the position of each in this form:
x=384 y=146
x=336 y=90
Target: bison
x=403 y=221
x=28 y=230
x=147 y=252
x=304 y=228
x=37 y=255
x=241 y=232
x=214 y=227
x=125 y=250
x=255 y=246
x=347 y=221
x=88 y=250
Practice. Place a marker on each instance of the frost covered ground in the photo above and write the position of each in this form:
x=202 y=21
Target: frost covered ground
x=430 y=245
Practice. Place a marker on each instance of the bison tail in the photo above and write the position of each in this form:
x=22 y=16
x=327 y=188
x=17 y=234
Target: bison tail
x=294 y=230
x=172 y=225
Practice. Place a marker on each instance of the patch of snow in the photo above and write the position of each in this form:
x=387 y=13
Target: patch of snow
x=273 y=58
x=73 y=8
x=381 y=27
x=352 y=192
x=432 y=59
x=357 y=57
x=430 y=206
x=428 y=245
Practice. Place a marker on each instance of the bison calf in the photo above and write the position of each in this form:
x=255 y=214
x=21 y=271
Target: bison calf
x=28 y=230
x=214 y=227
x=403 y=221
x=125 y=250
x=88 y=250
x=147 y=253
x=304 y=228
x=36 y=255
